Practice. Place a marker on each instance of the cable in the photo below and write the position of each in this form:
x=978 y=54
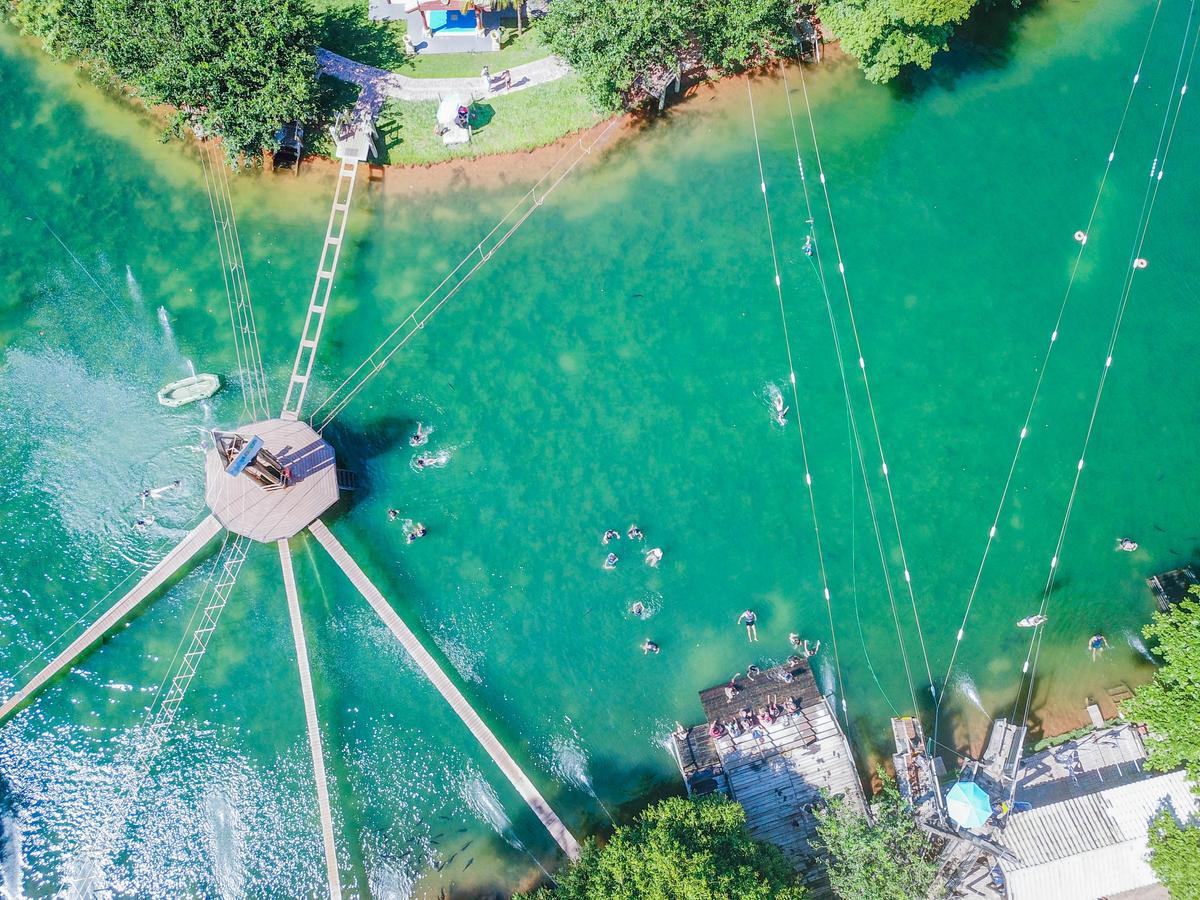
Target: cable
x=1081 y=237
x=795 y=395
x=371 y=366
x=862 y=366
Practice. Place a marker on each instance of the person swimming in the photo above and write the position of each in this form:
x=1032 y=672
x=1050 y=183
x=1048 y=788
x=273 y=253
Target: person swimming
x=781 y=411
x=1126 y=544
x=611 y=535
x=638 y=609
x=635 y=533
x=811 y=651
x=611 y=561
x=416 y=532
x=1033 y=621
x=393 y=515
x=751 y=627
x=794 y=640
x=809 y=247
x=421 y=437
x=654 y=557
x=650 y=647
x=1097 y=644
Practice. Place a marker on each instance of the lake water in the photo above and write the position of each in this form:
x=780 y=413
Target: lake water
x=610 y=365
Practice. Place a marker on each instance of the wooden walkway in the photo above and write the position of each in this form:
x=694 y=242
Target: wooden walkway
x=195 y=541
x=448 y=690
x=310 y=717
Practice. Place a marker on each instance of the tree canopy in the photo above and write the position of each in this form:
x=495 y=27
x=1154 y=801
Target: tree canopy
x=238 y=68
x=890 y=859
x=613 y=43
x=886 y=35
x=680 y=849
x=1169 y=705
x=1175 y=856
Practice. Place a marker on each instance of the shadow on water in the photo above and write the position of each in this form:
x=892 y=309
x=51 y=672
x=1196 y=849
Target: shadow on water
x=355 y=450
x=983 y=43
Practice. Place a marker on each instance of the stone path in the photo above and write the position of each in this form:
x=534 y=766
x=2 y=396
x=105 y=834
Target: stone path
x=380 y=84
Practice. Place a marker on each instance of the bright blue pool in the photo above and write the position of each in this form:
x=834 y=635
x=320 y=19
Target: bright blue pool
x=444 y=21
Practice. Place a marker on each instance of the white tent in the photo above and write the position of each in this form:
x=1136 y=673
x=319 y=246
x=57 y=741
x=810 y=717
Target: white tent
x=447 y=117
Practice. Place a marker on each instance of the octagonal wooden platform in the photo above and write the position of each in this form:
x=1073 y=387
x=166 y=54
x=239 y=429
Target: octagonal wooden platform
x=245 y=507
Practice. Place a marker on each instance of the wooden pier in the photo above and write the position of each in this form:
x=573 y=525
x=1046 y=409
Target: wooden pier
x=170 y=564
x=1172 y=587
x=311 y=724
x=448 y=690
x=776 y=770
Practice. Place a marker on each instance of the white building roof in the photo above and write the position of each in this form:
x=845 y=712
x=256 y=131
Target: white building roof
x=1092 y=846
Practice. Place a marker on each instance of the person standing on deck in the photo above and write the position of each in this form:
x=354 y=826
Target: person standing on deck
x=751 y=628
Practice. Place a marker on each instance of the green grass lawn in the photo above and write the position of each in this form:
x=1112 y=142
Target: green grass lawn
x=344 y=28
x=519 y=121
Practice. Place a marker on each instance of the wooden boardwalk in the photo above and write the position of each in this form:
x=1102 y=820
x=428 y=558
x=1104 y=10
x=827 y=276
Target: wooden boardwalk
x=195 y=541
x=310 y=718
x=448 y=690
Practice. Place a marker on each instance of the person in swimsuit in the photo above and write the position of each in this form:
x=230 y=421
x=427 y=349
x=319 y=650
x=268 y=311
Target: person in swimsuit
x=751 y=628
x=1126 y=544
x=1097 y=644
x=811 y=651
x=638 y=609
x=610 y=561
x=393 y=515
x=635 y=533
x=418 y=531
x=419 y=439
x=654 y=557
x=611 y=535
x=650 y=647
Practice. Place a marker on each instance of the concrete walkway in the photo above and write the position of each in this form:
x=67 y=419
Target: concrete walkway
x=380 y=84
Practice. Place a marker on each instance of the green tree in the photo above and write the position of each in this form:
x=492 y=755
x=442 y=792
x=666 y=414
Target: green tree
x=238 y=68
x=887 y=35
x=1175 y=856
x=888 y=859
x=1169 y=705
x=680 y=850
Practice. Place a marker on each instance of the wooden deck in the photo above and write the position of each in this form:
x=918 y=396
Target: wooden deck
x=448 y=690
x=1172 y=587
x=245 y=507
x=195 y=541
x=777 y=771
x=310 y=719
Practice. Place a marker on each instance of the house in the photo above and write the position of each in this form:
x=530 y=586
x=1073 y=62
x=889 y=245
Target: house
x=435 y=26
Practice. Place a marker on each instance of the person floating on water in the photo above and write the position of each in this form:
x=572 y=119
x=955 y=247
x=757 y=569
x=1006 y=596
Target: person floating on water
x=1126 y=544
x=1097 y=644
x=638 y=609
x=794 y=640
x=420 y=438
x=751 y=628
x=611 y=535
x=610 y=561
x=650 y=647
x=654 y=557
x=809 y=248
x=811 y=651
x=143 y=522
x=1032 y=621
x=416 y=532
x=635 y=533
x=393 y=515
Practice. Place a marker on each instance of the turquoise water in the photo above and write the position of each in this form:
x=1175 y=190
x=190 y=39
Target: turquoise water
x=610 y=365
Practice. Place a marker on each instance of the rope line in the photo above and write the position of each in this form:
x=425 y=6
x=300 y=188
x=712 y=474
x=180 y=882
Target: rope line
x=862 y=367
x=1149 y=199
x=1054 y=336
x=371 y=366
x=808 y=481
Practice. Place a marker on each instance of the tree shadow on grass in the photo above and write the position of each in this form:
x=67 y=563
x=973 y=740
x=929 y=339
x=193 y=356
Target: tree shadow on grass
x=349 y=32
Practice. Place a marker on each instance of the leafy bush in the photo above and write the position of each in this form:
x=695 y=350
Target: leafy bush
x=886 y=35
x=1175 y=856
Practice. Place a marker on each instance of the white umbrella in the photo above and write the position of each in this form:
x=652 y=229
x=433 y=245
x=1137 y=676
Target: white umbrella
x=447 y=111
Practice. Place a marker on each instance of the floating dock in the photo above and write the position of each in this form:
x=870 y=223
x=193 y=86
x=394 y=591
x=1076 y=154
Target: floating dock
x=776 y=770
x=1172 y=587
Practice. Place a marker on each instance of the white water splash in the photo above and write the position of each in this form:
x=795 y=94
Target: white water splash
x=1134 y=640
x=966 y=687
x=164 y=320
x=135 y=289
x=773 y=398
x=226 y=834
x=11 y=883
x=430 y=460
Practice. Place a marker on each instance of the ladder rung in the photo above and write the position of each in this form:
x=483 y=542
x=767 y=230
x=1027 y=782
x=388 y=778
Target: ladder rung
x=308 y=343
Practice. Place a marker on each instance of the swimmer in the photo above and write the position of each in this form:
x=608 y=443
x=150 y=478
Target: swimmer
x=421 y=462
x=794 y=639
x=393 y=515
x=1126 y=544
x=638 y=609
x=142 y=522
x=610 y=561
x=1033 y=621
x=654 y=557
x=635 y=533
x=1097 y=644
x=420 y=438
x=811 y=651
x=809 y=248
x=418 y=531
x=650 y=647
x=680 y=731
x=611 y=535
x=751 y=628
x=158 y=492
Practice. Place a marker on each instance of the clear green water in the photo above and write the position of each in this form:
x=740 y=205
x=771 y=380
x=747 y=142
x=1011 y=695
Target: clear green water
x=607 y=367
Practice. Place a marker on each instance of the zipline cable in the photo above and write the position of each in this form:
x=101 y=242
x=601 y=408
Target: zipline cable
x=787 y=341
x=1082 y=238
x=1135 y=264
x=862 y=366
x=402 y=333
